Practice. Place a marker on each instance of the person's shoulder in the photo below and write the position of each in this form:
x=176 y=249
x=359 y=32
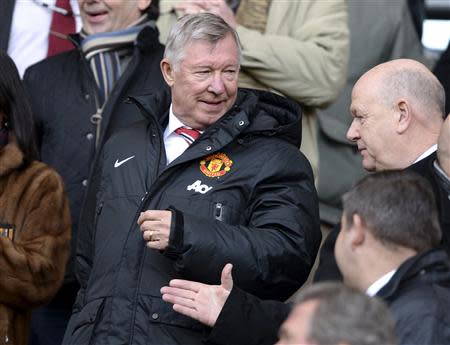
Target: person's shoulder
x=38 y=179
x=424 y=296
x=420 y=313
x=129 y=136
x=53 y=64
x=43 y=170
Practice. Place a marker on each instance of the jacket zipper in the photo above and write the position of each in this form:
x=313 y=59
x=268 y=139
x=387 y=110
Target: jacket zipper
x=96 y=119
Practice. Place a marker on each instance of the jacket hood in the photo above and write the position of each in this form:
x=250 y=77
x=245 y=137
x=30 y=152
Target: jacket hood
x=269 y=114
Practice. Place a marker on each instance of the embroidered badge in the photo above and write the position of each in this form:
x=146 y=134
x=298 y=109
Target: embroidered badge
x=216 y=165
x=7 y=230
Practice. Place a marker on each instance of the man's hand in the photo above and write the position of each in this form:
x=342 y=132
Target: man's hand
x=202 y=302
x=217 y=7
x=443 y=152
x=155 y=227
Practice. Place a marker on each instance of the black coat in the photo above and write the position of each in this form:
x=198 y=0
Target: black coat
x=261 y=214
x=418 y=296
x=63 y=97
x=6 y=10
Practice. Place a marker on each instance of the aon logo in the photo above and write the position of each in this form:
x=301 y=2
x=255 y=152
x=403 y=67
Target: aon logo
x=198 y=187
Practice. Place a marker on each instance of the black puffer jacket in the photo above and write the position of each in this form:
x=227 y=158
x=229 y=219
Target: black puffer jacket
x=256 y=208
x=419 y=297
x=63 y=96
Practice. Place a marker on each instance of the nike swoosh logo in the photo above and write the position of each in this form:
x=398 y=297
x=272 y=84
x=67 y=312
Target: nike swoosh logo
x=118 y=164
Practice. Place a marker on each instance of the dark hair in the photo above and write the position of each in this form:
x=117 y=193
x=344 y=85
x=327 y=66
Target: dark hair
x=15 y=105
x=346 y=315
x=398 y=208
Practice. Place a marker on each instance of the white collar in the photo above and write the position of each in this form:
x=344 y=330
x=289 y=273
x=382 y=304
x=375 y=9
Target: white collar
x=378 y=284
x=174 y=123
x=426 y=153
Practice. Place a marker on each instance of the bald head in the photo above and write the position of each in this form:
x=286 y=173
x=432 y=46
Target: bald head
x=408 y=79
x=398 y=110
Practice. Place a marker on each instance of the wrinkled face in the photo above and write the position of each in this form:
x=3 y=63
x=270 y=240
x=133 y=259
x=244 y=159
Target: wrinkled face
x=372 y=129
x=110 y=15
x=204 y=83
x=295 y=330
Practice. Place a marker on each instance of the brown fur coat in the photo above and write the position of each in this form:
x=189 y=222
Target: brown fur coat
x=32 y=264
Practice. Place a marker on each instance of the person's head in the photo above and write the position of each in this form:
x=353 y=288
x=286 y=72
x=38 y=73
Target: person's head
x=201 y=66
x=333 y=314
x=110 y=15
x=390 y=214
x=397 y=109
x=15 y=111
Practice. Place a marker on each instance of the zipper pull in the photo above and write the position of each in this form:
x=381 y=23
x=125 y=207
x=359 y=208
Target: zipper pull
x=218 y=211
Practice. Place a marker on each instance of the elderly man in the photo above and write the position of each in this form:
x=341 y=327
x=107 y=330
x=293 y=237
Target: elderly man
x=388 y=257
x=295 y=48
x=78 y=101
x=390 y=30
x=212 y=176
x=331 y=313
x=398 y=111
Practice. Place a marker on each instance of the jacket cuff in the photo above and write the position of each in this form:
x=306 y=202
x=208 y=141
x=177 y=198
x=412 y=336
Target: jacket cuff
x=176 y=237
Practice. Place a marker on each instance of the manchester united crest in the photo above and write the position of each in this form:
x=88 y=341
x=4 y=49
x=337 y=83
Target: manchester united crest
x=216 y=165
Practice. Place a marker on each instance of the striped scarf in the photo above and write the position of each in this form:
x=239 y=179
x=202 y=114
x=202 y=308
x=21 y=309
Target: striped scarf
x=109 y=53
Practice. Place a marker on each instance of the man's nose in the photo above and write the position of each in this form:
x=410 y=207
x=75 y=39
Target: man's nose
x=217 y=85
x=352 y=132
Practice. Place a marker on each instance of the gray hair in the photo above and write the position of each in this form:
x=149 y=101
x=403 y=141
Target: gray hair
x=398 y=208
x=197 y=27
x=345 y=315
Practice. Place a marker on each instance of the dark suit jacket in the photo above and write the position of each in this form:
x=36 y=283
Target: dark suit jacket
x=6 y=10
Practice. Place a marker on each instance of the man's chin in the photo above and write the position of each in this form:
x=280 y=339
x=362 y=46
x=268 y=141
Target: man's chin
x=369 y=166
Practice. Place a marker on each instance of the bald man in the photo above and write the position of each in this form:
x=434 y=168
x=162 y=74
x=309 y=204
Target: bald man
x=398 y=110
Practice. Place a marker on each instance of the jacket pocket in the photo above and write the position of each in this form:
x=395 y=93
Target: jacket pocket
x=82 y=324
x=155 y=319
x=223 y=212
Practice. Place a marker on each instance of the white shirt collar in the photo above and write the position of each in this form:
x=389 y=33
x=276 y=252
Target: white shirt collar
x=426 y=153
x=379 y=283
x=174 y=123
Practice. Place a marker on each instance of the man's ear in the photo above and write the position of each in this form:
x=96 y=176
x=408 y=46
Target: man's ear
x=357 y=231
x=404 y=118
x=167 y=72
x=144 y=4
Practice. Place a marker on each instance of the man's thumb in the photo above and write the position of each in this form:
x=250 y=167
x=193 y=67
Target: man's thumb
x=227 y=280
